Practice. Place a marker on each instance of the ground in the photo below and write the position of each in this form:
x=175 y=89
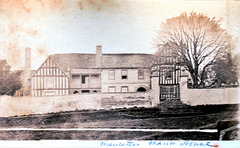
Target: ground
x=204 y=117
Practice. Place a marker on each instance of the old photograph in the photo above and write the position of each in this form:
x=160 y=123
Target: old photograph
x=119 y=70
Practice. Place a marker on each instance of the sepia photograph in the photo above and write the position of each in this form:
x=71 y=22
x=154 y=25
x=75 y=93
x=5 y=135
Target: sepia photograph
x=120 y=70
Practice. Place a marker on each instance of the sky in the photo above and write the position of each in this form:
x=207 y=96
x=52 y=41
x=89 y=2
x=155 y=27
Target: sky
x=77 y=26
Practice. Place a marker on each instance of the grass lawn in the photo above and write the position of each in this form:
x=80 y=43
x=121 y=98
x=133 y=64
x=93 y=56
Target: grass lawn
x=135 y=118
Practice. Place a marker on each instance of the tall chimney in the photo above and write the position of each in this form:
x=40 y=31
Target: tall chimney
x=99 y=56
x=27 y=72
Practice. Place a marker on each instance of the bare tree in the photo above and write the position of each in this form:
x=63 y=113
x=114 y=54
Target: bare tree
x=196 y=40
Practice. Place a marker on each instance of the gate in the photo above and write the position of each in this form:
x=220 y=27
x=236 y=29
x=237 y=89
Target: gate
x=169 y=82
x=167 y=68
x=169 y=92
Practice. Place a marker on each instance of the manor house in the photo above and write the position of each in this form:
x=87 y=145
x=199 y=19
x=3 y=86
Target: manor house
x=80 y=73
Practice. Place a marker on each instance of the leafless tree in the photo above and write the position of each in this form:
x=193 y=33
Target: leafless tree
x=196 y=40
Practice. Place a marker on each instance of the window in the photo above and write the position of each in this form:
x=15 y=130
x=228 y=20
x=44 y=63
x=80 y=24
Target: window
x=111 y=89
x=75 y=92
x=84 y=79
x=124 y=74
x=95 y=76
x=168 y=74
x=49 y=93
x=111 y=74
x=75 y=76
x=85 y=91
x=124 y=88
x=140 y=74
x=50 y=82
x=141 y=89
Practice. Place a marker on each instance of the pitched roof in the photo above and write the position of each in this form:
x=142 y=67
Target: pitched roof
x=126 y=60
x=123 y=60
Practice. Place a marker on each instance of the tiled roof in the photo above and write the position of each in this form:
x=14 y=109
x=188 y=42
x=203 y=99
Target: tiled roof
x=81 y=61
x=126 y=60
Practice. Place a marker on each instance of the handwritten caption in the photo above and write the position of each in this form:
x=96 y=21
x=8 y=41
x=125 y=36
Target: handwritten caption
x=124 y=144
x=157 y=143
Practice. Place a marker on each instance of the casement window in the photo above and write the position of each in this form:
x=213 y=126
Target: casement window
x=111 y=74
x=124 y=88
x=124 y=74
x=111 y=89
x=140 y=74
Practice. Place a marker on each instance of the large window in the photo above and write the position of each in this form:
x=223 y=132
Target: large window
x=124 y=88
x=124 y=74
x=111 y=74
x=140 y=74
x=111 y=89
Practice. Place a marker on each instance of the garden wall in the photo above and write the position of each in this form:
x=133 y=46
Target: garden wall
x=11 y=106
x=205 y=96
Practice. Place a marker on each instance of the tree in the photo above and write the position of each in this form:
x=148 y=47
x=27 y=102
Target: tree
x=9 y=81
x=196 y=41
x=225 y=69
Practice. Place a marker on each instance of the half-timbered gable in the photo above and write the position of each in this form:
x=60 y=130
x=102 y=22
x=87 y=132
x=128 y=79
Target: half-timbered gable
x=50 y=79
x=167 y=69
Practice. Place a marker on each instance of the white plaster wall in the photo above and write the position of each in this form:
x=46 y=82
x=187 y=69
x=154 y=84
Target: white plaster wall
x=11 y=106
x=132 y=80
x=155 y=90
x=208 y=96
x=131 y=87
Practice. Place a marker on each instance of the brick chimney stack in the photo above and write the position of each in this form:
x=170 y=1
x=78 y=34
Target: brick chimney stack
x=27 y=72
x=99 y=56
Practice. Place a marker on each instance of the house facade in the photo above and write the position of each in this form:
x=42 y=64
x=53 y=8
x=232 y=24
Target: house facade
x=49 y=79
x=78 y=73
x=126 y=72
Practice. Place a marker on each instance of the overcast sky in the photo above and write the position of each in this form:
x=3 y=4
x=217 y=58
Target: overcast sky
x=77 y=26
